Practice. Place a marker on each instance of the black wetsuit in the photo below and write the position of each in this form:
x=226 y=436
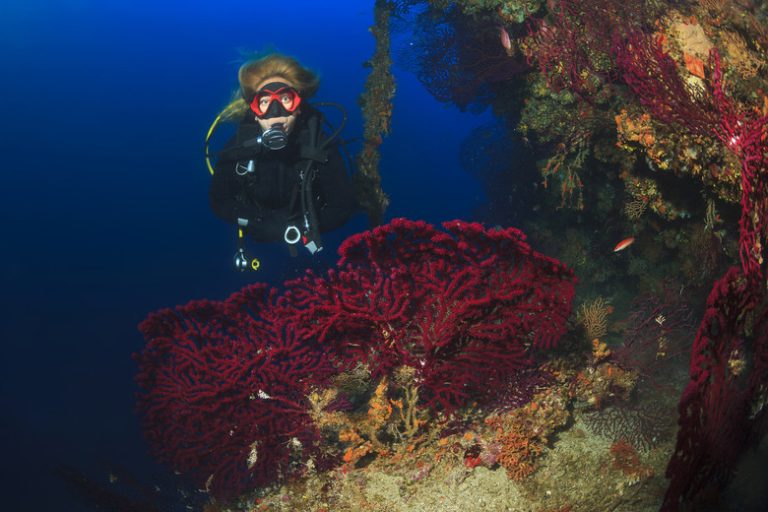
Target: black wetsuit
x=269 y=197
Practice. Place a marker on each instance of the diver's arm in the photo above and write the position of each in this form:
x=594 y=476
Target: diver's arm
x=333 y=185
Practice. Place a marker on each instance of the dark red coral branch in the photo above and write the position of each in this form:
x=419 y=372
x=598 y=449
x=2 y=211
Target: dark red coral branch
x=723 y=410
x=223 y=389
x=657 y=333
x=744 y=133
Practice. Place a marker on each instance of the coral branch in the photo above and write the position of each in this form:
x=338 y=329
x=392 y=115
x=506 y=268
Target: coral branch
x=223 y=389
x=723 y=409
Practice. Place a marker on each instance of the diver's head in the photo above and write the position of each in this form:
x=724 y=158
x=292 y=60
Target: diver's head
x=274 y=87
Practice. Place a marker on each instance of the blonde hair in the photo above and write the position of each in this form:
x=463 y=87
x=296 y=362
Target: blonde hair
x=255 y=71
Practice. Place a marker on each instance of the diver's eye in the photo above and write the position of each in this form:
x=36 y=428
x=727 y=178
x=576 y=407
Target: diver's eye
x=286 y=99
x=264 y=102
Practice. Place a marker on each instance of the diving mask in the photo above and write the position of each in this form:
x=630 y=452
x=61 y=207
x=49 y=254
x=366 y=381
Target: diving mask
x=276 y=99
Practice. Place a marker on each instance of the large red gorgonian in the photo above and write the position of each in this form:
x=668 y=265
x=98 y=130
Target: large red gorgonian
x=224 y=385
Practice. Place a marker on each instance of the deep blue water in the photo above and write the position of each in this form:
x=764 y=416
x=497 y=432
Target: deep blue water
x=104 y=207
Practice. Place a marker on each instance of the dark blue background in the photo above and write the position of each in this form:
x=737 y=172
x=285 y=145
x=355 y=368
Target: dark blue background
x=104 y=208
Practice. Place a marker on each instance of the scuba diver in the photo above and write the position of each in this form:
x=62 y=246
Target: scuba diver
x=281 y=177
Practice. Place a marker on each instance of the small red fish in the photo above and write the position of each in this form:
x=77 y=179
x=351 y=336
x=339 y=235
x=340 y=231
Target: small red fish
x=506 y=42
x=624 y=244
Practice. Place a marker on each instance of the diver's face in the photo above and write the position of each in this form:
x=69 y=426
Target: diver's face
x=287 y=119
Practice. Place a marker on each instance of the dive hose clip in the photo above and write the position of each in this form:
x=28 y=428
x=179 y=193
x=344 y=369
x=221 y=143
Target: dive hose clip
x=241 y=261
x=293 y=236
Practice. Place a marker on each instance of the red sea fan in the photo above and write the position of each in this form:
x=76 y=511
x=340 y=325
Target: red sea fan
x=723 y=410
x=461 y=307
x=224 y=384
x=223 y=388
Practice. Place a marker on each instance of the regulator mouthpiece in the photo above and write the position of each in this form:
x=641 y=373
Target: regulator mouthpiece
x=274 y=138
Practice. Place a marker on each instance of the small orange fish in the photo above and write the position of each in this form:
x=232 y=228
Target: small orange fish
x=624 y=244
x=506 y=42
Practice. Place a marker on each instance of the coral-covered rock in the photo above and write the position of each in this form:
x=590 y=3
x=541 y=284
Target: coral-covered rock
x=226 y=386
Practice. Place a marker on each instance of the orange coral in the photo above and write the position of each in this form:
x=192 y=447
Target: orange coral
x=518 y=454
x=600 y=351
x=523 y=432
x=350 y=436
x=634 y=129
x=380 y=409
x=355 y=453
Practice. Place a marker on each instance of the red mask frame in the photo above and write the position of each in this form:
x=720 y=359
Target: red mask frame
x=275 y=96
